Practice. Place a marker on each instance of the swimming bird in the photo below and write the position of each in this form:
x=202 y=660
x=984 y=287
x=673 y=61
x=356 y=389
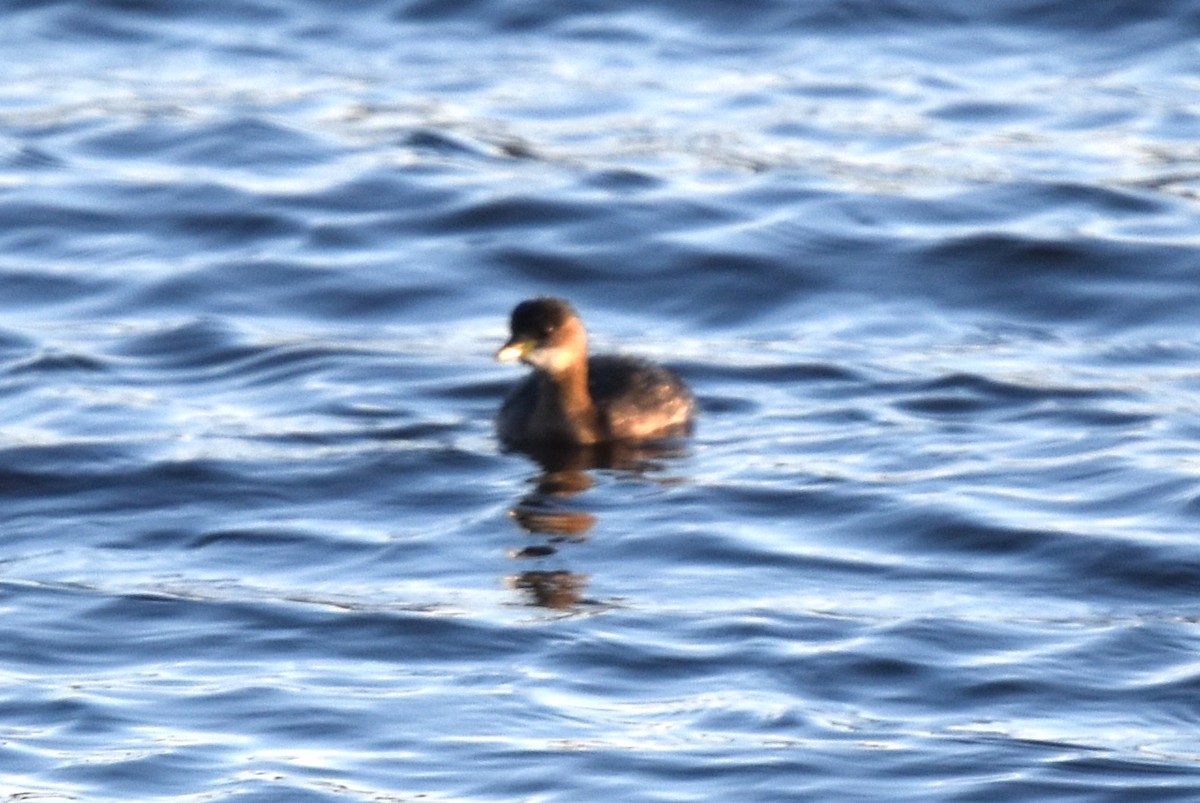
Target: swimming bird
x=573 y=399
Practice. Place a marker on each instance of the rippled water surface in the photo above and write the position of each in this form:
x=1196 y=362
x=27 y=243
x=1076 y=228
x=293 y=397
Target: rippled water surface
x=933 y=273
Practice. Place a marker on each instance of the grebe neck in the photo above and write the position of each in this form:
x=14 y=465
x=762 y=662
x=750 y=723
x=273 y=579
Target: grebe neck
x=565 y=406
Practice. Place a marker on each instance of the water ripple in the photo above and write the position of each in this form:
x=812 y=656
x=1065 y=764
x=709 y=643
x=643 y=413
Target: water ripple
x=929 y=270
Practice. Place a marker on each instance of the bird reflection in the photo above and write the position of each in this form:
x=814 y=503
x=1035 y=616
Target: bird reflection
x=560 y=590
x=546 y=511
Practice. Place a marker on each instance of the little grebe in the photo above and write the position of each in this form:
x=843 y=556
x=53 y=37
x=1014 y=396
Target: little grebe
x=573 y=399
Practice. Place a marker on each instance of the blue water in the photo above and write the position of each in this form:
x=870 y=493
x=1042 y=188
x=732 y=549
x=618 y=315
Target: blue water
x=932 y=270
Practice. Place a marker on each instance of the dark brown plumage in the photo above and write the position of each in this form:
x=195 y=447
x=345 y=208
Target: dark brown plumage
x=573 y=399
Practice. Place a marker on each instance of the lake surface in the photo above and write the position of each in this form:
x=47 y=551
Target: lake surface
x=933 y=272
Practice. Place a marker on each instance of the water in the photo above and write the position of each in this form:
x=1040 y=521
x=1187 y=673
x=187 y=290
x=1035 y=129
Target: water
x=932 y=272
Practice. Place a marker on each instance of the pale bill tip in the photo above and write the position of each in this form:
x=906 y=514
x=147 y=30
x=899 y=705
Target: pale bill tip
x=509 y=353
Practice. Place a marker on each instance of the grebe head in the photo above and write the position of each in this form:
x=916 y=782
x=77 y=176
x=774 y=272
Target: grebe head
x=547 y=334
